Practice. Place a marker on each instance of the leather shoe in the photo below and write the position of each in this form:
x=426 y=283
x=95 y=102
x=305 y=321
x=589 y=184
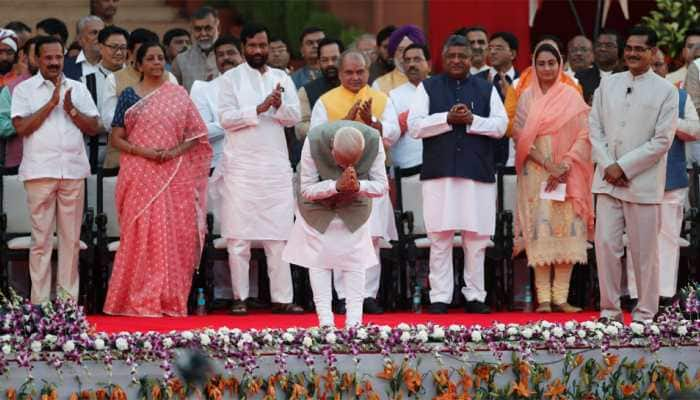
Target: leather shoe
x=340 y=307
x=286 y=308
x=371 y=306
x=476 y=307
x=256 y=304
x=239 y=308
x=544 y=307
x=438 y=308
x=565 y=307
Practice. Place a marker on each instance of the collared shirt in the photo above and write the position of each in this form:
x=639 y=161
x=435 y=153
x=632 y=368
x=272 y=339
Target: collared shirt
x=390 y=81
x=193 y=65
x=205 y=97
x=87 y=68
x=304 y=75
x=493 y=72
x=100 y=85
x=473 y=70
x=56 y=149
x=407 y=152
x=677 y=77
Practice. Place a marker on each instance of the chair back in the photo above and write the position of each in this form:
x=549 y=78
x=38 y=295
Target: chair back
x=106 y=204
x=409 y=195
x=14 y=202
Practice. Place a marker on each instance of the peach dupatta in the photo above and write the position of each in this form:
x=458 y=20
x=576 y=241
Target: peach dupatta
x=563 y=114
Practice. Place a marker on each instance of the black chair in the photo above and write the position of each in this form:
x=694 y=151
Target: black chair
x=15 y=234
x=690 y=232
x=107 y=224
x=501 y=253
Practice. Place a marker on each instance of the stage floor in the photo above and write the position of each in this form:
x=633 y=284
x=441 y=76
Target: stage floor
x=263 y=319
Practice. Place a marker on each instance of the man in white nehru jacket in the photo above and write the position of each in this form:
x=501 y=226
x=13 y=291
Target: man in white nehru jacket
x=341 y=170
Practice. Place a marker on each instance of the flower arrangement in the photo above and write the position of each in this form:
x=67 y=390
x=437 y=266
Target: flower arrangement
x=58 y=333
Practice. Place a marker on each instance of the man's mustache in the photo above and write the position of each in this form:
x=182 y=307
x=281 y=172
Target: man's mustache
x=412 y=69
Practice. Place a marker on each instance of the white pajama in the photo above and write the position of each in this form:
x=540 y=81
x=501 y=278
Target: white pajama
x=352 y=283
x=281 y=290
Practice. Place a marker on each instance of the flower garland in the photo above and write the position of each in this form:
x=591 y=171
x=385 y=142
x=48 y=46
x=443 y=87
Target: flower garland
x=58 y=332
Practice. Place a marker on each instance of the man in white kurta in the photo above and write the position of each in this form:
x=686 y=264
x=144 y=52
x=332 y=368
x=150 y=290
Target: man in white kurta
x=459 y=118
x=344 y=245
x=632 y=124
x=256 y=102
x=354 y=75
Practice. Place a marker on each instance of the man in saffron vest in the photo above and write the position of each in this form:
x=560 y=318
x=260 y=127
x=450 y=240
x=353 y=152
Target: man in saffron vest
x=341 y=172
x=354 y=100
x=460 y=119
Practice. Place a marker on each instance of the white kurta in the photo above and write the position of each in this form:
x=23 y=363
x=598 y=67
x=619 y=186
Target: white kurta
x=407 y=152
x=460 y=204
x=256 y=185
x=382 y=222
x=337 y=248
x=204 y=96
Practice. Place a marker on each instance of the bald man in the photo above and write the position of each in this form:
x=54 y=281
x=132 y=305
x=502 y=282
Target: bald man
x=341 y=171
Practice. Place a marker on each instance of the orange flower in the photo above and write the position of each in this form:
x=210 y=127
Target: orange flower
x=556 y=391
x=368 y=386
x=44 y=396
x=611 y=360
x=412 y=379
x=346 y=381
x=100 y=394
x=388 y=373
x=628 y=389
x=520 y=388
x=641 y=363
x=578 y=360
x=271 y=389
x=298 y=392
x=155 y=392
x=547 y=373
x=441 y=377
x=482 y=372
x=467 y=382
x=53 y=394
x=651 y=389
x=254 y=386
x=524 y=369
x=85 y=395
x=73 y=396
x=11 y=394
x=373 y=396
x=603 y=373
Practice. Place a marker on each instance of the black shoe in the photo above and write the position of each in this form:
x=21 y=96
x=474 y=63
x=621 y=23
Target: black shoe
x=665 y=302
x=371 y=306
x=438 y=308
x=239 y=308
x=627 y=303
x=256 y=304
x=476 y=307
x=286 y=308
x=340 y=307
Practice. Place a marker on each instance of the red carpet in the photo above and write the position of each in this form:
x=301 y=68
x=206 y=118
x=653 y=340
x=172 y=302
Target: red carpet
x=264 y=319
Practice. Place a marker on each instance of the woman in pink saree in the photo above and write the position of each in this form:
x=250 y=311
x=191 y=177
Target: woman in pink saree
x=552 y=148
x=160 y=193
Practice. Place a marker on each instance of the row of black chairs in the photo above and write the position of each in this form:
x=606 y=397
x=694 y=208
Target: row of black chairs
x=403 y=261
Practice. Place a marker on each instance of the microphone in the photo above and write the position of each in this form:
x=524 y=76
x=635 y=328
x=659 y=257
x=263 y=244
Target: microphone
x=629 y=90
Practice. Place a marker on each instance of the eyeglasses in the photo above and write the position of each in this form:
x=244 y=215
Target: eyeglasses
x=115 y=48
x=636 y=49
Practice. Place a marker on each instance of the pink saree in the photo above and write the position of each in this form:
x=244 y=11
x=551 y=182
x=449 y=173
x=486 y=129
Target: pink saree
x=161 y=208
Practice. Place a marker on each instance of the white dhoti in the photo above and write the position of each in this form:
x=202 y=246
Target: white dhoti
x=671 y=212
x=467 y=206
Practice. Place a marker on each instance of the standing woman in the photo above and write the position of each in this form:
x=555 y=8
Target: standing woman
x=160 y=193
x=552 y=148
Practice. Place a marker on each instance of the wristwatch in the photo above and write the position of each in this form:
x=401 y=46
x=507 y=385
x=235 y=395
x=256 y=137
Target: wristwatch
x=374 y=119
x=73 y=112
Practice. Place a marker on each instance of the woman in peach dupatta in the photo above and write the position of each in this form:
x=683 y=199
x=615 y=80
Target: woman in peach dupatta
x=552 y=148
x=160 y=193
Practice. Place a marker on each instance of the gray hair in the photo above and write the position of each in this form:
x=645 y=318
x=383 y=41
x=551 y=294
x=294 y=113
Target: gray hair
x=356 y=54
x=364 y=36
x=85 y=20
x=455 y=40
x=348 y=143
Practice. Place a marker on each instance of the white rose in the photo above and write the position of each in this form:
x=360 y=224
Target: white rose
x=404 y=326
x=147 y=345
x=383 y=335
x=5 y=338
x=581 y=333
x=611 y=330
x=224 y=331
x=167 y=343
x=476 y=336
x=546 y=335
x=682 y=330
x=68 y=346
x=527 y=333
x=570 y=340
x=240 y=344
x=84 y=336
x=599 y=326
x=35 y=346
x=288 y=337
x=293 y=331
x=570 y=325
x=501 y=327
x=512 y=331
x=455 y=328
x=385 y=328
x=405 y=337
x=307 y=342
x=99 y=344
x=557 y=331
x=122 y=344
x=187 y=335
x=225 y=339
x=50 y=339
x=438 y=332
x=6 y=348
x=268 y=338
x=590 y=325
x=330 y=338
x=598 y=335
x=637 y=328
x=422 y=336
x=546 y=324
x=236 y=331
x=247 y=338
x=362 y=334
x=204 y=339
x=655 y=330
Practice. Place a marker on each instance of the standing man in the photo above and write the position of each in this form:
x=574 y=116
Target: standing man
x=607 y=52
x=367 y=45
x=407 y=152
x=53 y=27
x=279 y=54
x=22 y=30
x=460 y=119
x=256 y=102
x=86 y=63
x=206 y=94
x=198 y=63
x=398 y=41
x=354 y=100
x=329 y=51
x=8 y=58
x=52 y=113
x=384 y=63
x=478 y=37
x=176 y=41
x=632 y=124
x=692 y=37
x=580 y=52
x=310 y=38
x=105 y=9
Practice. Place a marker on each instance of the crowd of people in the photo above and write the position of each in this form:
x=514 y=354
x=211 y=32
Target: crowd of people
x=596 y=131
